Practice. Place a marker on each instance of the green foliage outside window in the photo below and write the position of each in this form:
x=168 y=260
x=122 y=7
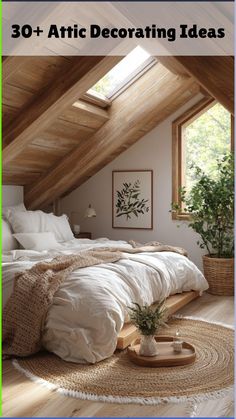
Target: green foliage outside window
x=205 y=140
x=104 y=85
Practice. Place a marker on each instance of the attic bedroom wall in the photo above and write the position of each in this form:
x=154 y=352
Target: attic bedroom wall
x=153 y=151
x=12 y=195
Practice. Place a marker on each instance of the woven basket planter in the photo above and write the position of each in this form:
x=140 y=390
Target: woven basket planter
x=219 y=274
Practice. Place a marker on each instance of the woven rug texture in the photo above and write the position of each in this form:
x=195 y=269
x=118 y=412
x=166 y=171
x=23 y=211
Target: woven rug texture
x=118 y=378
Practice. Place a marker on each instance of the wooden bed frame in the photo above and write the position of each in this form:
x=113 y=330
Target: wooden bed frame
x=173 y=303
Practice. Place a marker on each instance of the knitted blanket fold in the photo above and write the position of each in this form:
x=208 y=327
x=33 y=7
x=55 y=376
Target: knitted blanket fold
x=155 y=246
x=26 y=309
x=25 y=312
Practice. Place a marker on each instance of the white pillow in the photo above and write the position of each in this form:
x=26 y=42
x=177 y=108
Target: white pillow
x=37 y=241
x=8 y=241
x=6 y=211
x=40 y=222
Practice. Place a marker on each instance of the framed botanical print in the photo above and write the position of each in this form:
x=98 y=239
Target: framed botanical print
x=132 y=199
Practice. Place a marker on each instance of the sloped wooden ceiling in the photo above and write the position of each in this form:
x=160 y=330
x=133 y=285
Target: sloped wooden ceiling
x=54 y=140
x=214 y=73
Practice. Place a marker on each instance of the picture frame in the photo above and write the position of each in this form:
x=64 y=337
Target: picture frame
x=132 y=199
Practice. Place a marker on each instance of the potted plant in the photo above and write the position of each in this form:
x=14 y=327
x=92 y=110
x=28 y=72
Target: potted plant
x=148 y=320
x=210 y=204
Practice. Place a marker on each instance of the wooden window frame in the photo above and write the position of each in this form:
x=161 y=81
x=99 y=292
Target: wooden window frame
x=177 y=125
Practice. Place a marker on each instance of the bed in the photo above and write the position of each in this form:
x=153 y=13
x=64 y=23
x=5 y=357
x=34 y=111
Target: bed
x=88 y=318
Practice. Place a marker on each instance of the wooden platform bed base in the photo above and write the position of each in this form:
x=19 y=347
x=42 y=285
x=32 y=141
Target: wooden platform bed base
x=173 y=303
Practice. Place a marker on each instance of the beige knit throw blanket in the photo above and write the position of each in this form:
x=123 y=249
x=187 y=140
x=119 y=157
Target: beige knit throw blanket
x=154 y=246
x=26 y=309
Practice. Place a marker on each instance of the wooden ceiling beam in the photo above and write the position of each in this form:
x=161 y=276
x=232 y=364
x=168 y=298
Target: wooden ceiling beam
x=136 y=111
x=172 y=64
x=215 y=74
x=85 y=115
x=19 y=178
x=10 y=66
x=91 y=109
x=47 y=107
x=204 y=92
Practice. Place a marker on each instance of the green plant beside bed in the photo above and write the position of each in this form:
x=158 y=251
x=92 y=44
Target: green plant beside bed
x=210 y=204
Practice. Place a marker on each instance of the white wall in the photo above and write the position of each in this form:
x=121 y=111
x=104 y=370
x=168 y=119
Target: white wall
x=12 y=195
x=153 y=151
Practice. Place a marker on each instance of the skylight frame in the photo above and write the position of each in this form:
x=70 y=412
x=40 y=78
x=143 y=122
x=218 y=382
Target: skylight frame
x=125 y=83
x=138 y=72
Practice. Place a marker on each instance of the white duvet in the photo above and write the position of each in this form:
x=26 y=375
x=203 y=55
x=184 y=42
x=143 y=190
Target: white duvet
x=90 y=307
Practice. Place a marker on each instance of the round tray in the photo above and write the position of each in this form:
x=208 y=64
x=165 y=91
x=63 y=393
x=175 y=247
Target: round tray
x=166 y=357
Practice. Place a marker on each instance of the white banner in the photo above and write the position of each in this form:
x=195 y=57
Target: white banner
x=114 y=28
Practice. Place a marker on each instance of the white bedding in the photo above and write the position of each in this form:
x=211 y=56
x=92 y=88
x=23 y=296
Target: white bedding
x=90 y=307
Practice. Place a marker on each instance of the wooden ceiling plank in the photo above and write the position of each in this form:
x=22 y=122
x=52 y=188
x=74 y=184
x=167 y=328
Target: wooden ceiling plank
x=18 y=178
x=10 y=66
x=28 y=80
x=204 y=92
x=140 y=105
x=85 y=114
x=8 y=114
x=46 y=151
x=38 y=72
x=16 y=97
x=94 y=110
x=65 y=129
x=69 y=129
x=36 y=158
x=40 y=156
x=215 y=74
x=172 y=64
x=57 y=151
x=52 y=141
x=83 y=73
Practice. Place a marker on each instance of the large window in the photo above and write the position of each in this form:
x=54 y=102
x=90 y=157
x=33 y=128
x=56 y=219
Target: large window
x=126 y=71
x=200 y=136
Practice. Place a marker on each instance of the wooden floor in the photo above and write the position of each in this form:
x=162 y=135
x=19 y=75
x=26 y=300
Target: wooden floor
x=23 y=398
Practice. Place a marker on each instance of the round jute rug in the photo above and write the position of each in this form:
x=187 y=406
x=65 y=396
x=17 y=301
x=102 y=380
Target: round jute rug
x=118 y=380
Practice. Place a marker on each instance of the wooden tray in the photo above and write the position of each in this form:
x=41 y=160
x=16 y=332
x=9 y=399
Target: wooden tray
x=166 y=357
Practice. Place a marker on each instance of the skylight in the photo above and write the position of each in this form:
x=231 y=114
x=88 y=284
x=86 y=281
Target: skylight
x=122 y=74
